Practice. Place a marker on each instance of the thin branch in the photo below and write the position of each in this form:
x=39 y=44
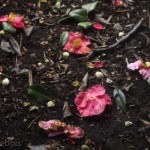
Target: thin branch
x=115 y=45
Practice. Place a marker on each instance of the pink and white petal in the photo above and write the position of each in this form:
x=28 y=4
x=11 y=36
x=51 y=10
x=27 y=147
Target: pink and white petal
x=145 y=73
x=135 y=65
x=82 y=99
x=83 y=50
x=4 y=18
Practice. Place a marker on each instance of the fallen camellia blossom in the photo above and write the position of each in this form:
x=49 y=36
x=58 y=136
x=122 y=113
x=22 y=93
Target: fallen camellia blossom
x=117 y=2
x=98 y=26
x=15 y=20
x=98 y=64
x=77 y=43
x=56 y=127
x=144 y=68
x=93 y=101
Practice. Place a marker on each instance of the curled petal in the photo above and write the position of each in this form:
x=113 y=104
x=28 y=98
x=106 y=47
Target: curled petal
x=82 y=50
x=81 y=99
x=4 y=18
x=18 y=22
x=145 y=73
x=98 y=26
x=99 y=64
x=135 y=65
x=96 y=90
x=74 y=132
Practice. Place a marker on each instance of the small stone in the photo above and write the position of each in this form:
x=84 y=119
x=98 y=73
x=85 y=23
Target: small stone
x=128 y=123
x=84 y=147
x=121 y=34
x=46 y=60
x=65 y=54
x=50 y=104
x=99 y=74
x=5 y=82
x=109 y=81
x=40 y=64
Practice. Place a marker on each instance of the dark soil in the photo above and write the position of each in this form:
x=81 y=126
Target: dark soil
x=20 y=126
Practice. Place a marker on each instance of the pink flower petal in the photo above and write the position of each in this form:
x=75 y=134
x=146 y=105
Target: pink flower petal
x=96 y=90
x=98 y=26
x=81 y=99
x=99 y=64
x=18 y=22
x=145 y=73
x=82 y=50
x=3 y=18
x=118 y=2
x=75 y=132
x=135 y=65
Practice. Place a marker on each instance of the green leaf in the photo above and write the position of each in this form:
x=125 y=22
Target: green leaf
x=79 y=15
x=148 y=81
x=64 y=38
x=85 y=25
x=8 y=27
x=89 y=6
x=120 y=99
x=38 y=92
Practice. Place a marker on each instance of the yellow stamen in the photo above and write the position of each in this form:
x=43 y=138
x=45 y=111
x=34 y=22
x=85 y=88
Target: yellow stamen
x=11 y=16
x=77 y=43
x=91 y=97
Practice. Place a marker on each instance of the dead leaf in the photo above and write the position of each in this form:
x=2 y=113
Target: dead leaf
x=66 y=110
x=84 y=82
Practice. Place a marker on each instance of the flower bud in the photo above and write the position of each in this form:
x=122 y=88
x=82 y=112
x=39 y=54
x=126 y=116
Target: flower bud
x=65 y=54
x=5 y=82
x=99 y=74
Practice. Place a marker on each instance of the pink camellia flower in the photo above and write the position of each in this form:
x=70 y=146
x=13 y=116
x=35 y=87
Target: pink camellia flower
x=93 y=101
x=144 y=68
x=77 y=43
x=56 y=127
x=3 y=18
x=98 y=26
x=16 y=20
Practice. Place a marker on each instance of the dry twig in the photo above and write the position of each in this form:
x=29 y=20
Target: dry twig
x=115 y=45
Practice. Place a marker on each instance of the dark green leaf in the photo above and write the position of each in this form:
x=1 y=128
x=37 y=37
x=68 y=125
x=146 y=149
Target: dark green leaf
x=120 y=99
x=85 y=25
x=89 y=6
x=79 y=15
x=64 y=38
x=15 y=45
x=38 y=92
x=5 y=46
x=8 y=27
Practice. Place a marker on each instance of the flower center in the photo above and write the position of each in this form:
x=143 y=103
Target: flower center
x=77 y=43
x=11 y=16
x=91 y=97
x=146 y=65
